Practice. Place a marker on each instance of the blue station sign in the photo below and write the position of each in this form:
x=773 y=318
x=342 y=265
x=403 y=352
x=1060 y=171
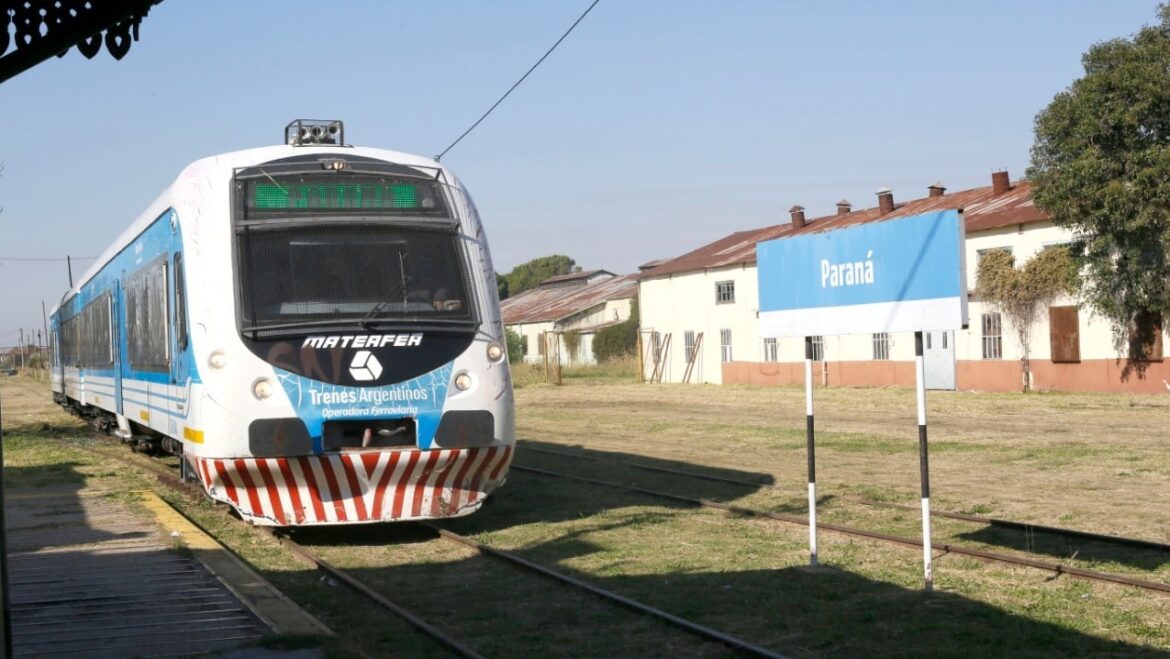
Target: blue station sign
x=899 y=275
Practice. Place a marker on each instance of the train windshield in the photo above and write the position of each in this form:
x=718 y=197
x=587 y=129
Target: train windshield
x=317 y=274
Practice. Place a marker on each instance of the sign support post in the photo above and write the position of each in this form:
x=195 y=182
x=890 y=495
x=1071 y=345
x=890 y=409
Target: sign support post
x=812 y=462
x=903 y=274
x=923 y=460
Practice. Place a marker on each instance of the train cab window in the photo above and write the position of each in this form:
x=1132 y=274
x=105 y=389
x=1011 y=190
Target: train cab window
x=147 y=326
x=180 y=302
x=302 y=274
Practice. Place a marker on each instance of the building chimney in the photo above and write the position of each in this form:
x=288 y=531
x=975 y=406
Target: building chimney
x=797 y=213
x=843 y=207
x=936 y=190
x=1000 y=183
x=885 y=200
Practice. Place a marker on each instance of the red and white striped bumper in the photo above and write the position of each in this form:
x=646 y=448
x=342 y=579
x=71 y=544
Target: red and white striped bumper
x=356 y=487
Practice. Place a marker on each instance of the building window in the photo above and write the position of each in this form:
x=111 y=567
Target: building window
x=724 y=292
x=881 y=345
x=818 y=348
x=771 y=353
x=541 y=339
x=1064 y=332
x=992 y=336
x=725 y=345
x=524 y=344
x=980 y=253
x=689 y=345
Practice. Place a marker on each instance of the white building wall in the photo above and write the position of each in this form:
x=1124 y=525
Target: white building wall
x=609 y=312
x=687 y=301
x=531 y=334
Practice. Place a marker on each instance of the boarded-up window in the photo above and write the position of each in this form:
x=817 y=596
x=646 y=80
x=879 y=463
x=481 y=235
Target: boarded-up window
x=1064 y=330
x=1145 y=338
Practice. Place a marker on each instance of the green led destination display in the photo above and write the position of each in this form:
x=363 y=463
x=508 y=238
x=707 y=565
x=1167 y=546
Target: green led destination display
x=302 y=196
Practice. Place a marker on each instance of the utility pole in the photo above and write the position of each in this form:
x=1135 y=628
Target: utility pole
x=22 y=351
x=45 y=320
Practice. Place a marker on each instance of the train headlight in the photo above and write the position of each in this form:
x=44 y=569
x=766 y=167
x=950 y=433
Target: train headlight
x=463 y=382
x=495 y=351
x=262 y=388
x=217 y=360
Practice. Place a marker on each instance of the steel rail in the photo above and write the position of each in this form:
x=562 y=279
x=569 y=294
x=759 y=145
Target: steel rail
x=165 y=476
x=695 y=628
x=991 y=521
x=1058 y=568
x=439 y=636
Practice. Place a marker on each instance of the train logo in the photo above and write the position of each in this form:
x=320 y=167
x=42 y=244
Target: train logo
x=365 y=367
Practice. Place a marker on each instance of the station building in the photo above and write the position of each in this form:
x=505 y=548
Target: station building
x=700 y=313
x=562 y=314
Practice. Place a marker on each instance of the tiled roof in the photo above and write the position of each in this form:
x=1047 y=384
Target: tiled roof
x=544 y=304
x=982 y=210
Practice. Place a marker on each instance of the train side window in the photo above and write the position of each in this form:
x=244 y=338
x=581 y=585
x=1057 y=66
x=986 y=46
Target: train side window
x=147 y=326
x=180 y=302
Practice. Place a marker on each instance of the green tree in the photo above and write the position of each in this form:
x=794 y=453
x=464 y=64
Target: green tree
x=1022 y=294
x=501 y=286
x=619 y=339
x=1101 y=167
x=515 y=345
x=529 y=275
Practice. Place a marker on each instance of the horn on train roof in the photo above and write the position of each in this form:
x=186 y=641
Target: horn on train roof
x=310 y=132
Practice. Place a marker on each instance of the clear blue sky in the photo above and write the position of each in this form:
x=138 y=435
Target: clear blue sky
x=657 y=126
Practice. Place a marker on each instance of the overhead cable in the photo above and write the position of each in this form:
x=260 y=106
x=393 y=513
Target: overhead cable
x=510 y=89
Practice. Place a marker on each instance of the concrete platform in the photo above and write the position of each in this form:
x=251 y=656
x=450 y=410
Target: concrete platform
x=90 y=578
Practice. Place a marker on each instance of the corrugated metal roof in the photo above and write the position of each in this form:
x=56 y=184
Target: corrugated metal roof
x=574 y=276
x=982 y=210
x=542 y=304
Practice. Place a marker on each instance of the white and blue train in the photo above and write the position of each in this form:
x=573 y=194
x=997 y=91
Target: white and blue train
x=313 y=328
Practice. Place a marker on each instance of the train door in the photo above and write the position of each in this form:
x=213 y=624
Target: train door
x=55 y=355
x=938 y=359
x=180 y=370
x=116 y=341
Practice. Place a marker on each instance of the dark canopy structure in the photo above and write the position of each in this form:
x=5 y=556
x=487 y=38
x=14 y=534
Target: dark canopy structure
x=32 y=31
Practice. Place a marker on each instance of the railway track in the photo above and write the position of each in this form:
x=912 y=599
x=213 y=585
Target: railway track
x=990 y=556
x=166 y=476
x=1026 y=527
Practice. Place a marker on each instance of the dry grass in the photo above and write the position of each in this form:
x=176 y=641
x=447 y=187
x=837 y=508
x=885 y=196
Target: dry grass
x=1092 y=462
x=1096 y=462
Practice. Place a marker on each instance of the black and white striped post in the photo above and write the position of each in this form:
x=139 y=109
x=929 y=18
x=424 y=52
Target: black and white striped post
x=923 y=459
x=812 y=461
